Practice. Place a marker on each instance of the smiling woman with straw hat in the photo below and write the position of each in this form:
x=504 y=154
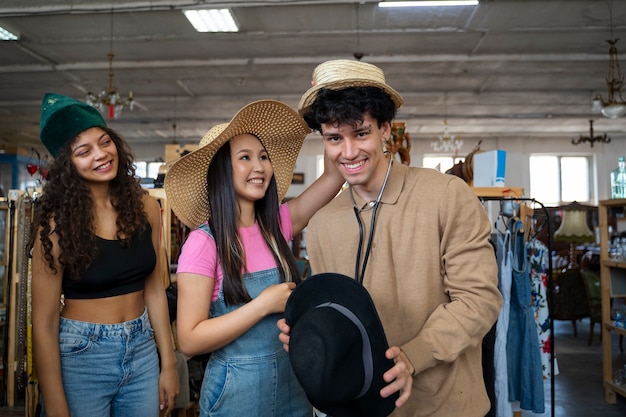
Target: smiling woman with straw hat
x=236 y=270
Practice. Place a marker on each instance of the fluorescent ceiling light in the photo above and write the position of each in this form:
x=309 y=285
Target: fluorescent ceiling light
x=428 y=3
x=5 y=35
x=211 y=20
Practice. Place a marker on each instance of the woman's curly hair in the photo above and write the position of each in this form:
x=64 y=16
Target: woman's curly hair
x=66 y=203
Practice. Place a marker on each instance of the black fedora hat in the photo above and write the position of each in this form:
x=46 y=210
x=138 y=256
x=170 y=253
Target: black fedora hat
x=337 y=347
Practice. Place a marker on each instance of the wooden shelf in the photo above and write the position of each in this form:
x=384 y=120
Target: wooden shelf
x=498 y=191
x=611 y=388
x=614 y=264
x=612 y=285
x=614 y=202
x=612 y=327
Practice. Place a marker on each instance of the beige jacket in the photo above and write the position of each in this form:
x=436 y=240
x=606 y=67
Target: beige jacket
x=432 y=274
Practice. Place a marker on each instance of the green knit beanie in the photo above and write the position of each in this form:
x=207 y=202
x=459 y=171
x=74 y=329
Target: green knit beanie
x=63 y=118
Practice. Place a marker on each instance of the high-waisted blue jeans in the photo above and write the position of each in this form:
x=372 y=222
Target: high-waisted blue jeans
x=110 y=370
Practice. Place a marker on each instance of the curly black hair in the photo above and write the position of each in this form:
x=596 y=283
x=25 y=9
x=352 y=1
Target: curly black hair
x=348 y=105
x=66 y=203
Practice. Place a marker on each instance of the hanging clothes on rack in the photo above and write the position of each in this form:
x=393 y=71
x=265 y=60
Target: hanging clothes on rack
x=527 y=220
x=525 y=376
x=503 y=406
x=538 y=254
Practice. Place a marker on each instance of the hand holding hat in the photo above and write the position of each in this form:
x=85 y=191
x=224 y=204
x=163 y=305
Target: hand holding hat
x=337 y=347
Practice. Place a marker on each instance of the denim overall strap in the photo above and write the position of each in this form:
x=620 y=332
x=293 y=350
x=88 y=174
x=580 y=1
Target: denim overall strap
x=255 y=341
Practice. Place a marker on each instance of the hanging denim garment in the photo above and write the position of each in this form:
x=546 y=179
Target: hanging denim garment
x=523 y=356
x=505 y=276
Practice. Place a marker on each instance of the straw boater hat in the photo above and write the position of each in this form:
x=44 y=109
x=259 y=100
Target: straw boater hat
x=279 y=128
x=343 y=73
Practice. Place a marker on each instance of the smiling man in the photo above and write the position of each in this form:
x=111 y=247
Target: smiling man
x=418 y=240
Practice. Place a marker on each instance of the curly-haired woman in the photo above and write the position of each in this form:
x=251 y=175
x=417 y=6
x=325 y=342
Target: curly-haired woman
x=107 y=349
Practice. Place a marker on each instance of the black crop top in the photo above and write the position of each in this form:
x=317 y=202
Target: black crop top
x=116 y=270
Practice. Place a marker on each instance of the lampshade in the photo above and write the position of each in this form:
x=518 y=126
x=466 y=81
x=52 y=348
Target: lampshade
x=596 y=104
x=613 y=110
x=574 y=228
x=614 y=106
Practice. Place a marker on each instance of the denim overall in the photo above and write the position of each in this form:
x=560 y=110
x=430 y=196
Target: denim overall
x=252 y=376
x=524 y=360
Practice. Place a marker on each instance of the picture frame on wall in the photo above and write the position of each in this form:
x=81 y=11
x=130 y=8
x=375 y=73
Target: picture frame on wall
x=298 y=178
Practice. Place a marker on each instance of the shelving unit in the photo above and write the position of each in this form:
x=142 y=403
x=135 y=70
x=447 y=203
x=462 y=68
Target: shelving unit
x=499 y=191
x=174 y=233
x=613 y=285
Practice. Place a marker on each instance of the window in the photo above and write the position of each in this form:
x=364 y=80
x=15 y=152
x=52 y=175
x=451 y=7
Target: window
x=320 y=165
x=555 y=180
x=141 y=169
x=153 y=169
x=440 y=163
x=145 y=169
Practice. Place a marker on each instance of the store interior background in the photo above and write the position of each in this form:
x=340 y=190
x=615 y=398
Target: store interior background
x=516 y=75
x=519 y=75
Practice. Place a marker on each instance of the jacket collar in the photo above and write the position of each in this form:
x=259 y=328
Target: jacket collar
x=395 y=184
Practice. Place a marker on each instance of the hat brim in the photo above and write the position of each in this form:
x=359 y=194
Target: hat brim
x=279 y=128
x=309 y=96
x=303 y=308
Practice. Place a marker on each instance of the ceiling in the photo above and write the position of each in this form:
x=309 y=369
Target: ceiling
x=504 y=69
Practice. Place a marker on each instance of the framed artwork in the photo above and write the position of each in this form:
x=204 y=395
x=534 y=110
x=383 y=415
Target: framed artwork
x=298 y=178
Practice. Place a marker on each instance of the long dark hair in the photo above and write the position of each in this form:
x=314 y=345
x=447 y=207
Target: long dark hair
x=67 y=203
x=223 y=224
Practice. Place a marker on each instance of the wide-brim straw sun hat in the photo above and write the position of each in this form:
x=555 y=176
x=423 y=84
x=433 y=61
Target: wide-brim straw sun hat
x=343 y=73
x=279 y=128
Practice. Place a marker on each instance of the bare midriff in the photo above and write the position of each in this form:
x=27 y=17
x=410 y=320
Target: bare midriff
x=108 y=310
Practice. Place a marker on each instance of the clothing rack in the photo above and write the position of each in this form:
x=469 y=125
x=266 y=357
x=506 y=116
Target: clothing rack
x=550 y=281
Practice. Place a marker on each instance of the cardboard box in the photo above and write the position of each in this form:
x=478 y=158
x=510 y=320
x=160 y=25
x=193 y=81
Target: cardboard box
x=489 y=168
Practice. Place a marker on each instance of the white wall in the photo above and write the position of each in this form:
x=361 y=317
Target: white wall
x=604 y=159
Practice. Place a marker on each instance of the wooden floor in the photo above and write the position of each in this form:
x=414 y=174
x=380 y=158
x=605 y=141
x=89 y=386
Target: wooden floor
x=578 y=386
x=13 y=411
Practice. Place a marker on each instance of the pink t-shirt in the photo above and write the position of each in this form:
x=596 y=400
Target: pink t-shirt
x=199 y=252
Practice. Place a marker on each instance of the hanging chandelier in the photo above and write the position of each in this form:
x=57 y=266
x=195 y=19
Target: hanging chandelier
x=591 y=138
x=614 y=106
x=108 y=100
x=445 y=142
